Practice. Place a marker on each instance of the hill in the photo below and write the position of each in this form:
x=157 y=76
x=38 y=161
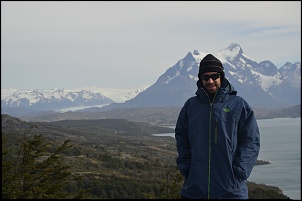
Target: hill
x=152 y=115
x=119 y=158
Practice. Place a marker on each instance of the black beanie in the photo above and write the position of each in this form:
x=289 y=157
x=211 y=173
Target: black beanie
x=211 y=64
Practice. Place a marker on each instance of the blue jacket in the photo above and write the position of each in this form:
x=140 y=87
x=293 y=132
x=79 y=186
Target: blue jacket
x=218 y=143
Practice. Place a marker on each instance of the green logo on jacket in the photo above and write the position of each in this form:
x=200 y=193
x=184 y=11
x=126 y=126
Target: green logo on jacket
x=227 y=109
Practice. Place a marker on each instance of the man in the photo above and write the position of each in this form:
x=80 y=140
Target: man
x=217 y=138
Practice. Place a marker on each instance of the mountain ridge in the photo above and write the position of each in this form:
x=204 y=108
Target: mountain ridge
x=261 y=84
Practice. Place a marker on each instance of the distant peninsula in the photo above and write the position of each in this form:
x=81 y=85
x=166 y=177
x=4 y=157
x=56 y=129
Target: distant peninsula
x=262 y=162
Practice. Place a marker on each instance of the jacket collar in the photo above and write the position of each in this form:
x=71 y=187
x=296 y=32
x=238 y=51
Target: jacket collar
x=222 y=93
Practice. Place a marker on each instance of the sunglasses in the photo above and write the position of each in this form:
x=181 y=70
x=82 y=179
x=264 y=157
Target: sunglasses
x=207 y=77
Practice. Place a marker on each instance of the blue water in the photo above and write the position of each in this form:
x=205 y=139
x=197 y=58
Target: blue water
x=280 y=144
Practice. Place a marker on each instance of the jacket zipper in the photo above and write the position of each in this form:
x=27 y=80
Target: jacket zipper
x=209 y=163
x=210 y=143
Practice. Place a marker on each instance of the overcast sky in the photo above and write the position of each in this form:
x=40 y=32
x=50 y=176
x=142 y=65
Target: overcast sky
x=69 y=44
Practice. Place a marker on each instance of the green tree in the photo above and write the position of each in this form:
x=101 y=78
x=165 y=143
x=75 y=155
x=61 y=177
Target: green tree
x=36 y=173
x=170 y=188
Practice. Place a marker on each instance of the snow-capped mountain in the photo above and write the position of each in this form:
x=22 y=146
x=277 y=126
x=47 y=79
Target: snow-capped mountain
x=64 y=99
x=53 y=99
x=117 y=95
x=261 y=84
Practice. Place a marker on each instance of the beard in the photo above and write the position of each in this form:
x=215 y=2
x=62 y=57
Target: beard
x=211 y=88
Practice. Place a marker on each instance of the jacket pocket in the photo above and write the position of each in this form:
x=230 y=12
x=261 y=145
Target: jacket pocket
x=216 y=133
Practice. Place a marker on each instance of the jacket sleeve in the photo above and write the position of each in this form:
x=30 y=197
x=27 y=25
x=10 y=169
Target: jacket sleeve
x=183 y=160
x=248 y=144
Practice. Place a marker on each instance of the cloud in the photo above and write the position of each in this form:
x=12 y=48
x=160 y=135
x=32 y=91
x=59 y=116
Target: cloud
x=130 y=44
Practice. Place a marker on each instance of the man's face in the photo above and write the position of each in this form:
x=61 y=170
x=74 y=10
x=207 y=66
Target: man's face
x=211 y=81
